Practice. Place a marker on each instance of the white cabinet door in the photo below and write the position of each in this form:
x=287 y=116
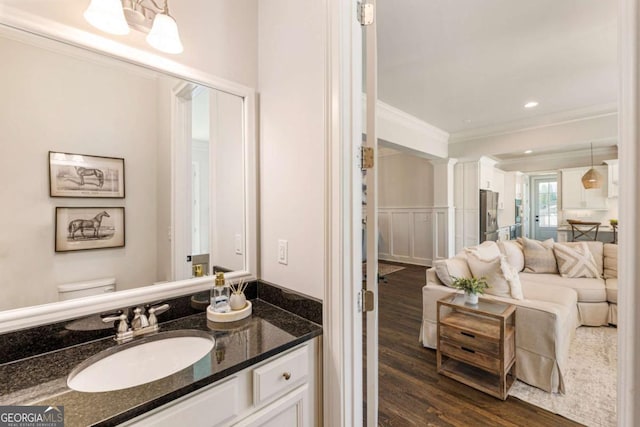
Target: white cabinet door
x=289 y=411
x=498 y=186
x=574 y=195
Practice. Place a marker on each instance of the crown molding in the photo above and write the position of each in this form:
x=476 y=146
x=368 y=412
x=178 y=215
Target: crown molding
x=386 y=113
x=537 y=122
x=586 y=152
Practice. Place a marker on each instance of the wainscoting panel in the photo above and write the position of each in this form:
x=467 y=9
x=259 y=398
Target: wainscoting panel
x=413 y=235
x=401 y=225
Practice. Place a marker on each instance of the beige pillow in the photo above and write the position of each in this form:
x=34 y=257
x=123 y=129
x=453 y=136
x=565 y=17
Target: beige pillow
x=539 y=256
x=502 y=278
x=513 y=251
x=575 y=261
x=610 y=261
x=485 y=250
x=448 y=270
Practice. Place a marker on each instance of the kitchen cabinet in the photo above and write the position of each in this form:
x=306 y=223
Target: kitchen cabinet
x=498 y=187
x=612 y=178
x=282 y=390
x=575 y=196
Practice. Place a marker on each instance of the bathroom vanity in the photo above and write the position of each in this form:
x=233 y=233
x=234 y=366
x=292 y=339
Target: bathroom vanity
x=262 y=371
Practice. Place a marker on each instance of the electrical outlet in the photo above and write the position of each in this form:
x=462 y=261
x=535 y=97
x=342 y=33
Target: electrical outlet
x=238 y=244
x=283 y=252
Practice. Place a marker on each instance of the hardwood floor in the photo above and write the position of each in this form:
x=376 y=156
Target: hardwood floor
x=411 y=391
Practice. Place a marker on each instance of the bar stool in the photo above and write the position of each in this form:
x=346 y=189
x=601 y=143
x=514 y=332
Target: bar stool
x=586 y=229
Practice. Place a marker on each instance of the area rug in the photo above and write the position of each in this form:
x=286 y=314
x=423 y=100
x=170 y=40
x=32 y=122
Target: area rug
x=383 y=269
x=590 y=381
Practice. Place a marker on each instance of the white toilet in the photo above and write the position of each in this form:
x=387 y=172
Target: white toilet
x=84 y=289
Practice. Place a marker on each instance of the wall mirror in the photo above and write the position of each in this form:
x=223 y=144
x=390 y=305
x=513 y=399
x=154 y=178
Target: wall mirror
x=188 y=153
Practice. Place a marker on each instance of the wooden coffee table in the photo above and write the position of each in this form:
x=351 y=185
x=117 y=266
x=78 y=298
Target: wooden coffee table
x=477 y=343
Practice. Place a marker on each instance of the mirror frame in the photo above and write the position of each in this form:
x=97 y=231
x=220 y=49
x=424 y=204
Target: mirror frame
x=20 y=25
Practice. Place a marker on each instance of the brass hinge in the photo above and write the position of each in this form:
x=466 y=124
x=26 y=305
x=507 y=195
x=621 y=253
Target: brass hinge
x=365 y=13
x=366 y=154
x=366 y=301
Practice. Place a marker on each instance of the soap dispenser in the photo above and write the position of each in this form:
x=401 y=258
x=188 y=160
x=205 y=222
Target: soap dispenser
x=220 y=295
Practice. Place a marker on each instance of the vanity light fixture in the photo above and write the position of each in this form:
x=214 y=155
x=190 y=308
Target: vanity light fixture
x=531 y=104
x=592 y=178
x=117 y=17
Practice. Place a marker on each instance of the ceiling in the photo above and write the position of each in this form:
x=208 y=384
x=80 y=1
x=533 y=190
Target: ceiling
x=463 y=65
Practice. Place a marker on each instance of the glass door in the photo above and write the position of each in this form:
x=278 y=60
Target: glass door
x=545 y=207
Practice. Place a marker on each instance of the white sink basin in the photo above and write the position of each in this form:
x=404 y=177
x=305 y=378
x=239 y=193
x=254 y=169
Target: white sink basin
x=140 y=361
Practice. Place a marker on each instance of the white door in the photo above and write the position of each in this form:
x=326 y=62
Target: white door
x=545 y=207
x=371 y=221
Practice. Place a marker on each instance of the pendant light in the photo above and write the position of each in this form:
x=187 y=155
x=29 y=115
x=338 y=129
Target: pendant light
x=593 y=178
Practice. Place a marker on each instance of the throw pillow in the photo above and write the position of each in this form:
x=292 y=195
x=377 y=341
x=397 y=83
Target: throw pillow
x=498 y=274
x=539 y=256
x=575 y=261
x=486 y=250
x=448 y=270
x=513 y=251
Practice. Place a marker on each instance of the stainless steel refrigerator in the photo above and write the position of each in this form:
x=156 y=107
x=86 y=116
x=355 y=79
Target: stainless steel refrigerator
x=488 y=215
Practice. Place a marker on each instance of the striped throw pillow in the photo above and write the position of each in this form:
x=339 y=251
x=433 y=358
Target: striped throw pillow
x=576 y=261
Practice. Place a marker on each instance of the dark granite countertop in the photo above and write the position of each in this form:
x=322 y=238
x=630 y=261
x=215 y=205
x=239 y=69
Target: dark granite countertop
x=42 y=379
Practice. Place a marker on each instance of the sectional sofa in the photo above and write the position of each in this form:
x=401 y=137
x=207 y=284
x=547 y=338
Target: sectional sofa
x=550 y=305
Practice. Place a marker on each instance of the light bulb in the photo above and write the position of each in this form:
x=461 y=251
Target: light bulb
x=108 y=16
x=164 y=34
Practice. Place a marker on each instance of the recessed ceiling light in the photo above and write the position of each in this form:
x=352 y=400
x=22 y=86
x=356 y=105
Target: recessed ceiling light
x=467 y=121
x=528 y=152
x=531 y=104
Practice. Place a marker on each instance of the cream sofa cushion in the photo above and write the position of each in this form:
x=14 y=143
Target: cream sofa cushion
x=513 y=251
x=448 y=270
x=539 y=256
x=612 y=290
x=610 y=261
x=588 y=289
x=502 y=278
x=575 y=261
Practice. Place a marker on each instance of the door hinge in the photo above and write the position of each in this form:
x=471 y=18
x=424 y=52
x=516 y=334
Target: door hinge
x=366 y=301
x=366 y=156
x=365 y=13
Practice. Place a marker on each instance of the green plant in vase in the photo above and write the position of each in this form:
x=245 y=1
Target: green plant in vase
x=471 y=286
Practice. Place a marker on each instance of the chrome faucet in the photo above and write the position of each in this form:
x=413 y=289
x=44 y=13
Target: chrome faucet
x=140 y=325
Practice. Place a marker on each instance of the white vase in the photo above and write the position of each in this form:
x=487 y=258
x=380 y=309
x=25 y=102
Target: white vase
x=471 y=298
x=237 y=301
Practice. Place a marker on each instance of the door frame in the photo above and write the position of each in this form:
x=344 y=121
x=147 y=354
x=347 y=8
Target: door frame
x=534 y=179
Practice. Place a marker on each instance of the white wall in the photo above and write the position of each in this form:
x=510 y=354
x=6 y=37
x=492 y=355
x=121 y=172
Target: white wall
x=404 y=181
x=219 y=37
x=411 y=229
x=50 y=104
x=292 y=142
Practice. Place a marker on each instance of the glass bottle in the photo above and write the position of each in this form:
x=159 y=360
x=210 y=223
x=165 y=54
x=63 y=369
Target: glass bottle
x=220 y=295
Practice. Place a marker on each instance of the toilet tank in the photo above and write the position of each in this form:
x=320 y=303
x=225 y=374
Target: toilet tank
x=84 y=289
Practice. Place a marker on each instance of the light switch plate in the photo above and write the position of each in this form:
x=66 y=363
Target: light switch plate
x=238 y=244
x=283 y=252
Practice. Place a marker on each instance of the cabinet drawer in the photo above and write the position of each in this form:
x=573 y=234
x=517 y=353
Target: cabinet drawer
x=281 y=375
x=468 y=355
x=470 y=340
